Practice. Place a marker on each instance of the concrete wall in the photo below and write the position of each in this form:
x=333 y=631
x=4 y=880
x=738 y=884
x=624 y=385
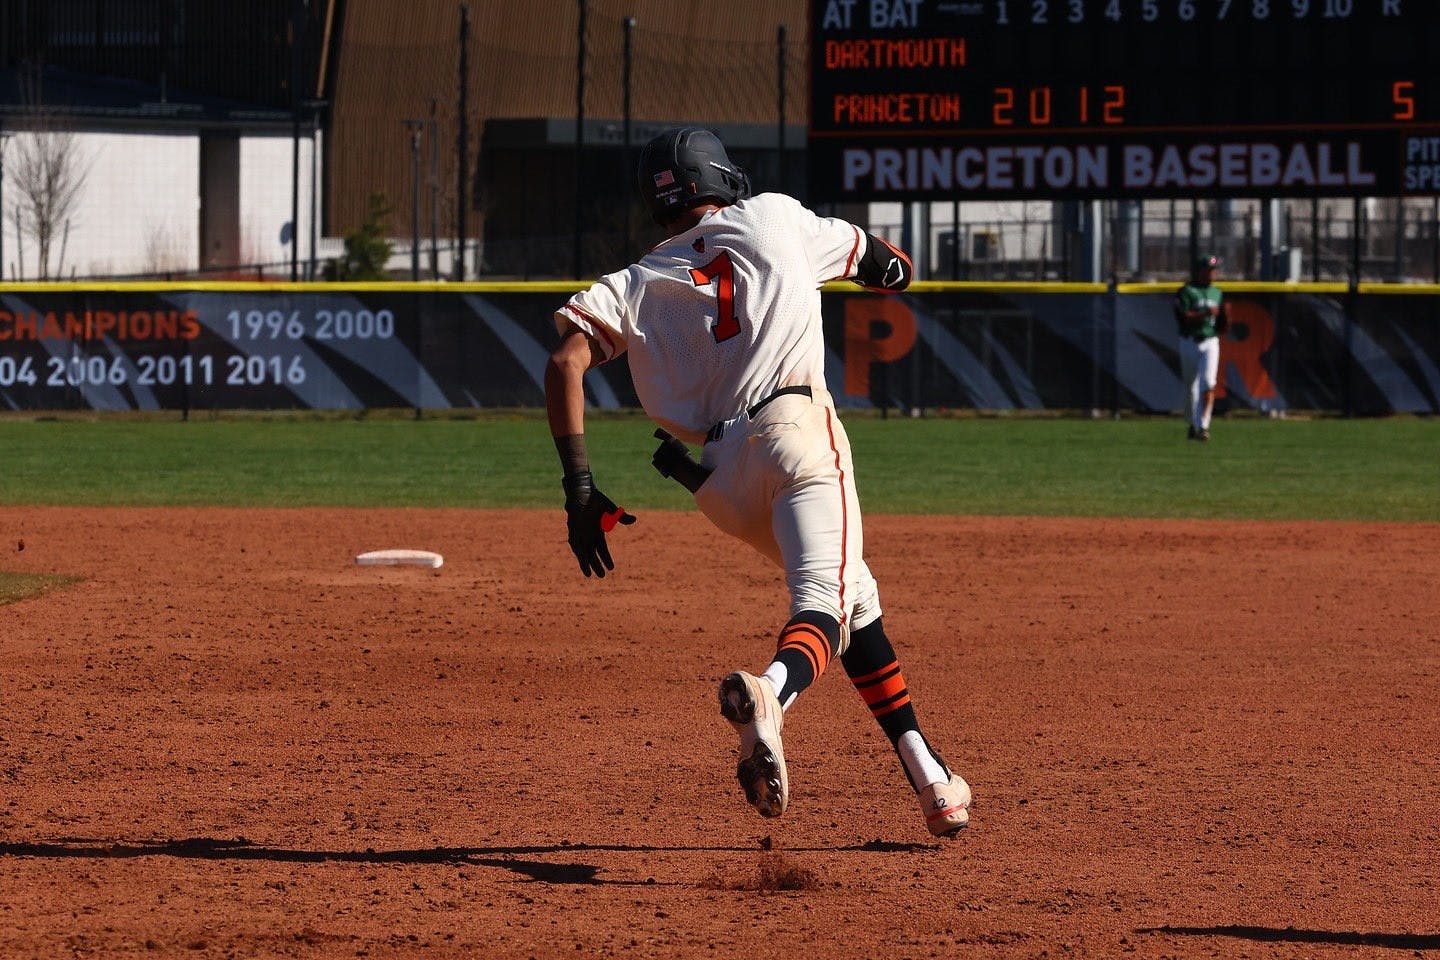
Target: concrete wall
x=138 y=209
x=265 y=187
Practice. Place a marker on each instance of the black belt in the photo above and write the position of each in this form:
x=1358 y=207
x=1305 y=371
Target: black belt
x=718 y=431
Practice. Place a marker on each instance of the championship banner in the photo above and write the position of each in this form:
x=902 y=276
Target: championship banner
x=958 y=346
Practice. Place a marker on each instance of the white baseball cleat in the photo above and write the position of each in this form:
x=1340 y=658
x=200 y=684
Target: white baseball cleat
x=946 y=806
x=750 y=705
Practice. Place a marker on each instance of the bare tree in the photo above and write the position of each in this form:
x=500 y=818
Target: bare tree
x=48 y=172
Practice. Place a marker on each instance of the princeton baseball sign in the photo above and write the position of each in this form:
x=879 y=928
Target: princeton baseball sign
x=1052 y=99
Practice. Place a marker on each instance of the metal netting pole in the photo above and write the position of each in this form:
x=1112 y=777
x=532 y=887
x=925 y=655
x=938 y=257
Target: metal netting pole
x=781 y=33
x=434 y=189
x=1195 y=228
x=1356 y=256
x=954 y=238
x=414 y=127
x=627 y=166
x=579 y=130
x=297 y=28
x=4 y=142
x=462 y=144
x=314 y=186
x=1398 y=265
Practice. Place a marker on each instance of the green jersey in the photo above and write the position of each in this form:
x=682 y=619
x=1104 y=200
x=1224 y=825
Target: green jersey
x=1194 y=297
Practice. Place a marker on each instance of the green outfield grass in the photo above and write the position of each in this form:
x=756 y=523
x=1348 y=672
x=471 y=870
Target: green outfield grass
x=1324 y=468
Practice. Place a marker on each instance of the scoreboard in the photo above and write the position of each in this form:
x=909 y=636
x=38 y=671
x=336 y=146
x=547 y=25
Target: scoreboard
x=1081 y=99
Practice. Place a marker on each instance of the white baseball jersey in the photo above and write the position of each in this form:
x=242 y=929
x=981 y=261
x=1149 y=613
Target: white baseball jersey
x=713 y=319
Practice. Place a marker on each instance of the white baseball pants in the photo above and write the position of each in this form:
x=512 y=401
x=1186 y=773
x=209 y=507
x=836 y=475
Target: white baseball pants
x=784 y=483
x=1199 y=371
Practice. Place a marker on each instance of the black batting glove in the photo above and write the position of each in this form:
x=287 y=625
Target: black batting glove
x=590 y=515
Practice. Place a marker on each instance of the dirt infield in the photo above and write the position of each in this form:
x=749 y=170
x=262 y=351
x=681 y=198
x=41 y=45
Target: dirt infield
x=1186 y=739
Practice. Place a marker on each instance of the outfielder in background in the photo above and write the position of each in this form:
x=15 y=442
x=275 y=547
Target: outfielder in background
x=1203 y=316
x=721 y=322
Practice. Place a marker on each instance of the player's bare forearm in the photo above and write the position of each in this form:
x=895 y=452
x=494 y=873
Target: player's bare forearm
x=565 y=384
x=589 y=513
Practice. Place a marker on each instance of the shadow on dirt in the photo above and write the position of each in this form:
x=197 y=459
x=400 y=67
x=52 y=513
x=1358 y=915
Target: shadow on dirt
x=1348 y=938
x=207 y=848
x=504 y=858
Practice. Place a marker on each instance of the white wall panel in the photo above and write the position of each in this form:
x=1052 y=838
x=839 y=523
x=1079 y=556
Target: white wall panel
x=265 y=186
x=138 y=212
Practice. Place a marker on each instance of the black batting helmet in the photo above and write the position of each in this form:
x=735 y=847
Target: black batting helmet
x=685 y=167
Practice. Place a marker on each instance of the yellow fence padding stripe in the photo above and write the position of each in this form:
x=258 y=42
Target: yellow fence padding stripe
x=560 y=287
x=1409 y=289
x=979 y=286
x=263 y=286
x=1240 y=286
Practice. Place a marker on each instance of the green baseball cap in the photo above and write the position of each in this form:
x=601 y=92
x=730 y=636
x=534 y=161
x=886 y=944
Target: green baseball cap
x=1207 y=262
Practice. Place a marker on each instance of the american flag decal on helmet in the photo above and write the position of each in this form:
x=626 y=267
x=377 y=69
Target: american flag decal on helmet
x=664 y=178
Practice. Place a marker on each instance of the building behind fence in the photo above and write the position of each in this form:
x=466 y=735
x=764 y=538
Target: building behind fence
x=192 y=122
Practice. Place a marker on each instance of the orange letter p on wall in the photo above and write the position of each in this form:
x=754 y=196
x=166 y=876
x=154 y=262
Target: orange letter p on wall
x=877 y=329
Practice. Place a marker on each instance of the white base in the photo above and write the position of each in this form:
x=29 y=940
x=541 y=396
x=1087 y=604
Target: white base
x=391 y=558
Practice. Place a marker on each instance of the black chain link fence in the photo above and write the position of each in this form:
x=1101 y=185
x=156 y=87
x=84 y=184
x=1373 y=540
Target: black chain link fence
x=539 y=208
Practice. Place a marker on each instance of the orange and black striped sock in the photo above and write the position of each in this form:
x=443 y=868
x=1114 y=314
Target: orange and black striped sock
x=807 y=644
x=885 y=693
x=874 y=669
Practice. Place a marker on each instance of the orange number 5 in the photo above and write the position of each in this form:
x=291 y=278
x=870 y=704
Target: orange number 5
x=1403 y=93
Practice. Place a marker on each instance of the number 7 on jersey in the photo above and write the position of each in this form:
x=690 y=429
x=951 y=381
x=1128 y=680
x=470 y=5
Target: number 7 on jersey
x=722 y=271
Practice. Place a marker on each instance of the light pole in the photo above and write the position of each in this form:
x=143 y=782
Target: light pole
x=415 y=127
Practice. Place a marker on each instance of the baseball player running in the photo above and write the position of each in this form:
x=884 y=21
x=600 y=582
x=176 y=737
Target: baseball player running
x=1202 y=315
x=721 y=323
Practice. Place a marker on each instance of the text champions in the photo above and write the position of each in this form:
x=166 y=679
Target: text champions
x=101 y=325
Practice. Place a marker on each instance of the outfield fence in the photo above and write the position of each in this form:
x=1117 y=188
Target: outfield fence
x=1363 y=350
